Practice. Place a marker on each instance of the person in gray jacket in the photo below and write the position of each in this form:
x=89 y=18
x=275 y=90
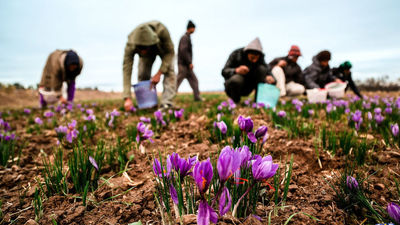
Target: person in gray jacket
x=185 y=65
x=318 y=74
x=244 y=69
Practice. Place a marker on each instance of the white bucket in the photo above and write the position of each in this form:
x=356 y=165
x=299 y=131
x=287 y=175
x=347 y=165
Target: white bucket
x=50 y=97
x=316 y=95
x=336 y=89
x=146 y=96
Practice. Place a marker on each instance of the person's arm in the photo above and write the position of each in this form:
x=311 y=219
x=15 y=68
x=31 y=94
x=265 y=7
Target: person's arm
x=230 y=66
x=71 y=90
x=127 y=69
x=184 y=51
x=353 y=86
x=310 y=78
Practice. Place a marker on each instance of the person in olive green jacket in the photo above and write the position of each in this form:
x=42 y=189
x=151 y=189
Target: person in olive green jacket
x=149 y=40
x=61 y=66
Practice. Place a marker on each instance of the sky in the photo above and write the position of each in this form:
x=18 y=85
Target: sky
x=365 y=32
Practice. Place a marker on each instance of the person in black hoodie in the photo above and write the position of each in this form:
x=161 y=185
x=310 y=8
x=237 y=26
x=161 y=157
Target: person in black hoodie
x=288 y=74
x=244 y=69
x=318 y=74
x=343 y=73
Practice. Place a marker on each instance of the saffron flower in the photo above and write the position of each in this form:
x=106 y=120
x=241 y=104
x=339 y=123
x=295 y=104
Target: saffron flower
x=93 y=162
x=377 y=110
x=225 y=202
x=281 y=114
x=89 y=111
x=174 y=194
x=351 y=183
x=245 y=124
x=160 y=172
x=228 y=162
x=394 y=211
x=115 y=113
x=144 y=132
x=145 y=119
x=178 y=113
x=261 y=132
x=311 y=112
x=379 y=118
x=202 y=175
x=369 y=116
x=38 y=121
x=222 y=127
x=388 y=110
x=252 y=137
x=159 y=117
x=264 y=168
x=48 y=114
x=206 y=214
x=395 y=129
x=181 y=165
x=27 y=111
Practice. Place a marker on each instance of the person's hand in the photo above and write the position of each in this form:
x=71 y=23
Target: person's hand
x=191 y=66
x=337 y=80
x=128 y=104
x=155 y=80
x=243 y=70
x=269 y=79
x=63 y=100
x=282 y=63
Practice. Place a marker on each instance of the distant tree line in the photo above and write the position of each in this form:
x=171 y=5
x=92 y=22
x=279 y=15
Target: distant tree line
x=378 y=84
x=18 y=86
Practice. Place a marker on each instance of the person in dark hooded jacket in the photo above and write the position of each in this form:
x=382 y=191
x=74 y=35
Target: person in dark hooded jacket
x=344 y=74
x=244 y=69
x=318 y=74
x=61 y=66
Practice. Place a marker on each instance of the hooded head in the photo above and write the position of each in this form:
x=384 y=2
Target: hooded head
x=144 y=35
x=254 y=50
x=346 y=65
x=71 y=64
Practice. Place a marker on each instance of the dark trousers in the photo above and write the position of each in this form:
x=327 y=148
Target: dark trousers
x=184 y=71
x=242 y=85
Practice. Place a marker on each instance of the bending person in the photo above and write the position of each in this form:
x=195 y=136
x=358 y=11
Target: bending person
x=289 y=78
x=318 y=74
x=61 y=66
x=344 y=74
x=244 y=69
x=149 y=40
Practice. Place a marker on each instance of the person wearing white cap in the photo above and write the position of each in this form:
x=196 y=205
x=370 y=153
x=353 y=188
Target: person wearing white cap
x=244 y=69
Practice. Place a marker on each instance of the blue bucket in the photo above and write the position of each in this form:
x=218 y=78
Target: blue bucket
x=146 y=96
x=267 y=94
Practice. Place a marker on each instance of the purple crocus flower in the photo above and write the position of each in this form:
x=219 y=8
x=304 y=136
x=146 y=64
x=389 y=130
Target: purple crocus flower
x=38 y=121
x=395 y=129
x=378 y=110
x=72 y=132
x=27 y=111
x=261 y=132
x=181 y=165
x=61 y=129
x=141 y=127
x=281 y=114
x=247 y=102
x=264 y=168
x=388 y=110
x=160 y=172
x=178 y=113
x=206 y=214
x=394 y=211
x=90 y=117
x=379 y=118
x=357 y=116
x=245 y=124
x=245 y=156
x=145 y=119
x=225 y=202
x=4 y=125
x=203 y=174
x=219 y=108
x=48 y=114
x=159 y=117
x=90 y=111
x=351 y=183
x=311 y=112
x=224 y=104
x=93 y=162
x=228 y=162
x=222 y=127
x=366 y=105
x=252 y=137
x=115 y=113
x=330 y=108
x=174 y=194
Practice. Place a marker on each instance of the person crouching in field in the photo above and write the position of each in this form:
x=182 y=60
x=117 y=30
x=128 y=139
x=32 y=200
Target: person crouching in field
x=149 y=40
x=61 y=66
x=344 y=74
x=185 y=65
x=244 y=69
x=288 y=74
x=318 y=74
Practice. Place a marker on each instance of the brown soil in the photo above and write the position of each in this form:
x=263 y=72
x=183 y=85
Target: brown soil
x=134 y=201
